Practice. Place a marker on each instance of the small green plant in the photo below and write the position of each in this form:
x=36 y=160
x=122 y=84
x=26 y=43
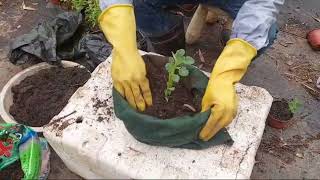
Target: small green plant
x=294 y=105
x=91 y=9
x=176 y=67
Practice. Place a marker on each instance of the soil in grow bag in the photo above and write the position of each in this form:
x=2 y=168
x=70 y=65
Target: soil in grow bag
x=13 y=171
x=38 y=98
x=171 y=123
x=182 y=100
x=280 y=110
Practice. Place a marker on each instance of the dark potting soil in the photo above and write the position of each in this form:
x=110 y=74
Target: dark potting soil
x=38 y=98
x=157 y=75
x=12 y=172
x=280 y=110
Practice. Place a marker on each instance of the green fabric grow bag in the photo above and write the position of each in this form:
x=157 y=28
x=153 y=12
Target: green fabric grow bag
x=181 y=132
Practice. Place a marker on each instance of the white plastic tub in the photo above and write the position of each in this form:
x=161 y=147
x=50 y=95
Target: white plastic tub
x=6 y=97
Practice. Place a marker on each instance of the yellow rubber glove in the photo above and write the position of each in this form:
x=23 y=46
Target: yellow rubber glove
x=220 y=94
x=128 y=69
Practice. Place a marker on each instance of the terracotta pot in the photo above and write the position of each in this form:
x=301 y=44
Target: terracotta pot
x=282 y=119
x=314 y=39
x=277 y=123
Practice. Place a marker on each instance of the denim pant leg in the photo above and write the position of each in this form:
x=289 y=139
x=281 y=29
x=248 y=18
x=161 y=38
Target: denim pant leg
x=153 y=20
x=232 y=7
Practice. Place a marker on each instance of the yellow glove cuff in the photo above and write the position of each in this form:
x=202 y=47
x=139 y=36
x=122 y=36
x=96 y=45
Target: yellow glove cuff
x=233 y=61
x=240 y=43
x=102 y=15
x=118 y=25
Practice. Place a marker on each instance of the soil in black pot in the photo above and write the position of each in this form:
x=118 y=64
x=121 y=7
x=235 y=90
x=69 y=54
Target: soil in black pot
x=12 y=172
x=38 y=98
x=157 y=75
x=280 y=110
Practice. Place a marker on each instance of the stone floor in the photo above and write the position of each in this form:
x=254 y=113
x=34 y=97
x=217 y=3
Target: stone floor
x=292 y=153
x=298 y=156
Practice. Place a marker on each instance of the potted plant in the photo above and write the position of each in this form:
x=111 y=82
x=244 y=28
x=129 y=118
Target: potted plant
x=281 y=113
x=175 y=118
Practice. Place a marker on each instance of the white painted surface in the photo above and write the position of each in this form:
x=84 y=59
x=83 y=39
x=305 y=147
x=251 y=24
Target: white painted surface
x=105 y=149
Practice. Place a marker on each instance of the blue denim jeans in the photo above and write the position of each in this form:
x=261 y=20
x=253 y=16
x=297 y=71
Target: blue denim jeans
x=153 y=19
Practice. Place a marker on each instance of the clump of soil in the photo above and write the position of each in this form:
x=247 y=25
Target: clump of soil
x=38 y=98
x=280 y=110
x=13 y=171
x=157 y=75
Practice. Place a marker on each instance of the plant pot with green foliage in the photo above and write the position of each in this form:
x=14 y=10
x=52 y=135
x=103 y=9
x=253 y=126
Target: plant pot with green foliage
x=281 y=113
x=175 y=118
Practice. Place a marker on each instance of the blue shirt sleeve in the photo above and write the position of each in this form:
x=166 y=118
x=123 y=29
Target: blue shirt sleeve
x=254 y=21
x=106 y=3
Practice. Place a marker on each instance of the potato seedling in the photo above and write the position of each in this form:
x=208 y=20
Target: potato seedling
x=176 y=68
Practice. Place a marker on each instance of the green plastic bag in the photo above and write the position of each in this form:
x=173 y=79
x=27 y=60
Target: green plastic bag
x=9 y=144
x=181 y=132
x=20 y=142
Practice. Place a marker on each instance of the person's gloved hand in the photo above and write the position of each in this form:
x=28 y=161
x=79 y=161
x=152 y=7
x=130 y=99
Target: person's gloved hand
x=128 y=69
x=220 y=94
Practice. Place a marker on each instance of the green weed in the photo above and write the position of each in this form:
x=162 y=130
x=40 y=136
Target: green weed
x=295 y=105
x=91 y=9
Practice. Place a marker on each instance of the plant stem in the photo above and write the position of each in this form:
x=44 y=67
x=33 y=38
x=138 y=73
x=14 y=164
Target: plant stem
x=170 y=80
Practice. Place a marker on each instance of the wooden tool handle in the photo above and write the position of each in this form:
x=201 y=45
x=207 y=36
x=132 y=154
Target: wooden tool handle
x=197 y=22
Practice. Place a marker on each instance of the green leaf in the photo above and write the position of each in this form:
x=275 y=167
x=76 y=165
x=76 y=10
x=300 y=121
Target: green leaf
x=189 y=60
x=294 y=105
x=167 y=66
x=179 y=60
x=171 y=60
x=181 y=52
x=183 y=71
x=171 y=89
x=172 y=68
x=175 y=78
